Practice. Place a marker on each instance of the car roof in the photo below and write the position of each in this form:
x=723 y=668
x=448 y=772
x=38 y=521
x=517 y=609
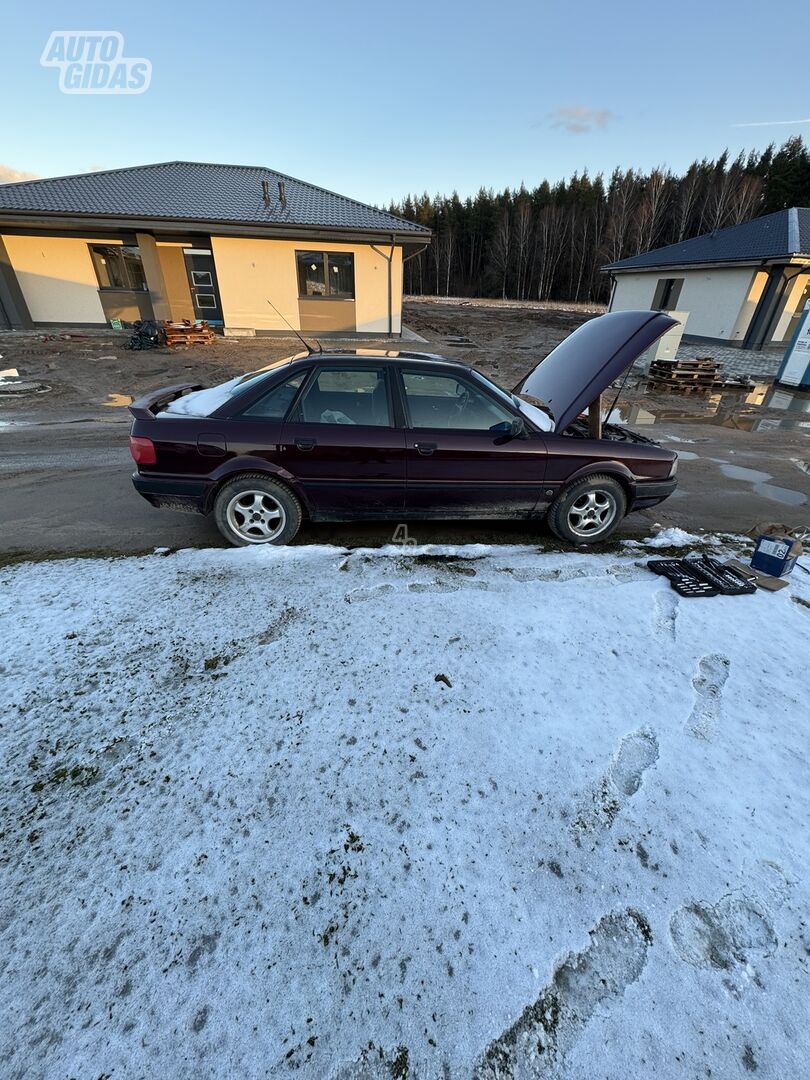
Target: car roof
x=374 y=355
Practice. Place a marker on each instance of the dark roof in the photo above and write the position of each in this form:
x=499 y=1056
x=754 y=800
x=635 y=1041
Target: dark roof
x=198 y=191
x=774 y=236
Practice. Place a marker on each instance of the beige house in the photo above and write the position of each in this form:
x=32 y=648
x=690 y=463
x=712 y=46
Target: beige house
x=746 y=285
x=248 y=249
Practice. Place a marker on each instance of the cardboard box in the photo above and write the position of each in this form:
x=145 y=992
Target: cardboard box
x=776 y=555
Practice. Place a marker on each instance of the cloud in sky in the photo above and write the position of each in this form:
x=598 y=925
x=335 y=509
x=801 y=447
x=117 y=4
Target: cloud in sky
x=773 y=123
x=577 y=119
x=11 y=176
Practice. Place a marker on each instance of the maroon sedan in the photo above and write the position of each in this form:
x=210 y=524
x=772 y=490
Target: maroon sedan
x=349 y=435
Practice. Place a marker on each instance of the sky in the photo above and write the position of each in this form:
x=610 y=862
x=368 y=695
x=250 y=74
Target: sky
x=377 y=101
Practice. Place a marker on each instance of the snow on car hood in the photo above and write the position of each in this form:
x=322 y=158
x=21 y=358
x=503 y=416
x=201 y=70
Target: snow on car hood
x=579 y=369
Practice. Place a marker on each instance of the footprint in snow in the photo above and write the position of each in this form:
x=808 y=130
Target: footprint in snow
x=538 y=1042
x=725 y=936
x=666 y=613
x=708 y=682
x=637 y=752
x=357 y=596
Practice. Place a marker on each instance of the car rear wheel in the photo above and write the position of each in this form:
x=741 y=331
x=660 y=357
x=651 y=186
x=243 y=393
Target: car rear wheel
x=589 y=511
x=254 y=509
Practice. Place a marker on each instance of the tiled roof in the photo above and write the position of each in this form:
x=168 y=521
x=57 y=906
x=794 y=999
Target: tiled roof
x=787 y=232
x=197 y=191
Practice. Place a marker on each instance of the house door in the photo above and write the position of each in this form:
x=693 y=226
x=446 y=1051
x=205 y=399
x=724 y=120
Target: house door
x=202 y=282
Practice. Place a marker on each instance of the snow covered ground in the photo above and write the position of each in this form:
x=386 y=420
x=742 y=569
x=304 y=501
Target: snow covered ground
x=475 y=812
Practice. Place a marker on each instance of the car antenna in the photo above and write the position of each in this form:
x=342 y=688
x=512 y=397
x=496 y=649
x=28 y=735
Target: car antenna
x=306 y=344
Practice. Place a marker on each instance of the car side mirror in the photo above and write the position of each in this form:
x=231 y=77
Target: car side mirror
x=510 y=429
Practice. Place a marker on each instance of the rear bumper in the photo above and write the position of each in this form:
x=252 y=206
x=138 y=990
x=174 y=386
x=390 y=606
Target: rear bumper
x=189 y=496
x=648 y=493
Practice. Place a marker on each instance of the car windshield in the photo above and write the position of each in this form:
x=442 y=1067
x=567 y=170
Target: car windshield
x=537 y=416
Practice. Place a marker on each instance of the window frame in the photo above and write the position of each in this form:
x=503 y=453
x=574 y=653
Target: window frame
x=242 y=414
x=394 y=421
x=402 y=371
x=325 y=255
x=663 y=296
x=123 y=265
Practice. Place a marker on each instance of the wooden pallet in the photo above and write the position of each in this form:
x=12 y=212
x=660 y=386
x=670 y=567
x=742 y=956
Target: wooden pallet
x=700 y=363
x=683 y=376
x=188 y=333
x=692 y=373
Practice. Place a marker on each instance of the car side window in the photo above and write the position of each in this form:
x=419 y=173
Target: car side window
x=274 y=404
x=346 y=396
x=447 y=401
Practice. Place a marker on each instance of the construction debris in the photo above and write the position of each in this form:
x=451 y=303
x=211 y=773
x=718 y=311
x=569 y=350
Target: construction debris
x=701 y=373
x=146 y=334
x=187 y=333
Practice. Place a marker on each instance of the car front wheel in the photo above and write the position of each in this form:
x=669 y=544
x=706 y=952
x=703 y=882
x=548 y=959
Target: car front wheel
x=589 y=511
x=253 y=509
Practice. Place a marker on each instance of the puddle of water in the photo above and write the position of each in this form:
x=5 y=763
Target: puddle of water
x=735 y=407
x=759 y=482
x=780 y=494
x=737 y=472
x=117 y=401
x=687 y=455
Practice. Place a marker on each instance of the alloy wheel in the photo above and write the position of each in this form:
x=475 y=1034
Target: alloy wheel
x=591 y=513
x=256 y=517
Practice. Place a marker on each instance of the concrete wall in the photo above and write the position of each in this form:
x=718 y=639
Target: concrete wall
x=57 y=277
x=714 y=298
x=251 y=271
x=59 y=283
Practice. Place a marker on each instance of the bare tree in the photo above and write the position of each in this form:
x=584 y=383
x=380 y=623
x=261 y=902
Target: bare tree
x=523 y=232
x=622 y=199
x=501 y=248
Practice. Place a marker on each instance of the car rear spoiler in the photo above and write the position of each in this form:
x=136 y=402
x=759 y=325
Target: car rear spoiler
x=145 y=407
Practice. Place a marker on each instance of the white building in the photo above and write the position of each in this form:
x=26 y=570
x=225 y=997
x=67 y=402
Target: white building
x=746 y=285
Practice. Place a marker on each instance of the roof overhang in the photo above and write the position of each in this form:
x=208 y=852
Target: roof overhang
x=23 y=221
x=728 y=264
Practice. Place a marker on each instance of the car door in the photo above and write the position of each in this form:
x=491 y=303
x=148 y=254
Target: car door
x=461 y=458
x=342 y=443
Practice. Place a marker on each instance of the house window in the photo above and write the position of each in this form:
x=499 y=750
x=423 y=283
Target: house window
x=667 y=294
x=118 y=266
x=325 y=274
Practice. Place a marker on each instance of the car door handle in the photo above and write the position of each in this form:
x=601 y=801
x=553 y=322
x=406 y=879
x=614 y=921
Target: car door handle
x=426 y=448
x=305 y=444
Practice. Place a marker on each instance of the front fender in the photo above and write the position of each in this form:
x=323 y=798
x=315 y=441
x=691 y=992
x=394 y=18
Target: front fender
x=606 y=468
x=251 y=464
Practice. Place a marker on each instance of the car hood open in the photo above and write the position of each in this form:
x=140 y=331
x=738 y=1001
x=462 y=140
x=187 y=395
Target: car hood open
x=578 y=370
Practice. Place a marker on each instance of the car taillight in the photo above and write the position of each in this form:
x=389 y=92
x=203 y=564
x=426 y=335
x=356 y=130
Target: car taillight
x=142 y=450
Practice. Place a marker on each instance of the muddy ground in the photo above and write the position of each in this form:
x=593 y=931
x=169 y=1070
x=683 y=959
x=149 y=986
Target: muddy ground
x=64 y=463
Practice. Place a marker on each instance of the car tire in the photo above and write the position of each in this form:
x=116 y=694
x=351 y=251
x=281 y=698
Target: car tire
x=253 y=509
x=589 y=511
